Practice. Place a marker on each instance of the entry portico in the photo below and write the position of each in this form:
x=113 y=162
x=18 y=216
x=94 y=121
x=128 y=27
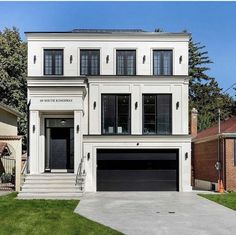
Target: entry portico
x=56 y=114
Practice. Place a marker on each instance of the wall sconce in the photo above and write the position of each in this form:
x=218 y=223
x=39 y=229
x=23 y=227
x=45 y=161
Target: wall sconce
x=33 y=128
x=71 y=59
x=180 y=59
x=34 y=59
x=88 y=156
x=136 y=105
x=107 y=59
x=77 y=128
x=144 y=59
x=177 y=105
x=186 y=156
x=94 y=105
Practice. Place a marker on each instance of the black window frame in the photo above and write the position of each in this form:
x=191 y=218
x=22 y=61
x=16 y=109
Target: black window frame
x=53 y=62
x=162 y=61
x=126 y=52
x=116 y=117
x=90 y=52
x=156 y=114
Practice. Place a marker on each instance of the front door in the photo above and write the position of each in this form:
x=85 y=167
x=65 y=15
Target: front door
x=59 y=145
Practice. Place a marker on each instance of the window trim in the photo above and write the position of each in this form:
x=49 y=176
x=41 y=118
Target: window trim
x=89 y=64
x=53 y=63
x=129 y=117
x=171 y=113
x=172 y=60
x=135 y=62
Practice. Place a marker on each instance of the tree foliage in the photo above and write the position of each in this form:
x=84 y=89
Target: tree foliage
x=13 y=67
x=204 y=92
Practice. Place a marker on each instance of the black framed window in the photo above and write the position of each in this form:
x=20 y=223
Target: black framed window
x=89 y=62
x=162 y=62
x=157 y=114
x=53 y=61
x=126 y=62
x=116 y=114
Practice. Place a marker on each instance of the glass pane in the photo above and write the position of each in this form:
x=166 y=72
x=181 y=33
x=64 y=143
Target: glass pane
x=130 y=65
x=94 y=64
x=157 y=62
x=84 y=63
x=48 y=63
x=149 y=116
x=120 y=65
x=108 y=114
x=162 y=62
x=123 y=114
x=164 y=114
x=58 y=63
x=60 y=122
x=167 y=62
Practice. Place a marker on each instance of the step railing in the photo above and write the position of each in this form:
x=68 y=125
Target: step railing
x=80 y=172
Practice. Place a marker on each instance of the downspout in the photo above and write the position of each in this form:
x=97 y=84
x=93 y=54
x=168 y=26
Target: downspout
x=218 y=152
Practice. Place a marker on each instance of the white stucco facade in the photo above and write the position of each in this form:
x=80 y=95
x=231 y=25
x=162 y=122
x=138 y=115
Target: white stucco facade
x=79 y=97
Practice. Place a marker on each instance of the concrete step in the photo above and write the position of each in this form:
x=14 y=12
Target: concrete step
x=39 y=177
x=50 y=181
x=51 y=190
x=31 y=185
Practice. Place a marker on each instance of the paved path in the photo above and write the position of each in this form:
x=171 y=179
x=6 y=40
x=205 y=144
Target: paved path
x=158 y=213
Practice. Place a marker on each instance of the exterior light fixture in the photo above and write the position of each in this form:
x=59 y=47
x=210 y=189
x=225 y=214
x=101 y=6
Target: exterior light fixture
x=88 y=156
x=177 y=105
x=107 y=59
x=33 y=128
x=63 y=122
x=71 y=59
x=94 y=105
x=186 y=156
x=136 y=105
x=144 y=59
x=34 y=59
x=77 y=128
x=180 y=59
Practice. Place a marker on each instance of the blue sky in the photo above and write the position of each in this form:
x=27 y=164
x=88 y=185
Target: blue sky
x=211 y=23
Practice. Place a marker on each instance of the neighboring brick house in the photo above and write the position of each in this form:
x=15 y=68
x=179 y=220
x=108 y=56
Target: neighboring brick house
x=211 y=146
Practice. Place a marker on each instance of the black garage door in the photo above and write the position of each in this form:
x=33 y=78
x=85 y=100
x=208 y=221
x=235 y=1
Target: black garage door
x=137 y=170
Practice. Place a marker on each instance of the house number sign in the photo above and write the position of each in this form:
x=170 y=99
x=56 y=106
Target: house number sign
x=55 y=100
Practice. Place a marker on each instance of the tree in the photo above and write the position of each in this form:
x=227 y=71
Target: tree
x=13 y=67
x=204 y=92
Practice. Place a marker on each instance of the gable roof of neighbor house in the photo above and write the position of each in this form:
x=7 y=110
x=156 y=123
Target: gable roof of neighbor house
x=10 y=110
x=226 y=127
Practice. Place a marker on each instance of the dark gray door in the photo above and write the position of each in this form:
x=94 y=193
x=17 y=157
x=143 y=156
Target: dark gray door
x=60 y=148
x=137 y=170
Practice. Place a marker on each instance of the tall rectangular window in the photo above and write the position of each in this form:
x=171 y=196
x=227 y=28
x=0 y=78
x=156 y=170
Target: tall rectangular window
x=126 y=62
x=162 y=62
x=116 y=114
x=90 y=62
x=53 y=62
x=157 y=114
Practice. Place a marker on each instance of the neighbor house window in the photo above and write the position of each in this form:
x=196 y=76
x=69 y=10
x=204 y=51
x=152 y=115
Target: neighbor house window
x=115 y=114
x=162 y=62
x=53 y=62
x=90 y=62
x=125 y=62
x=157 y=115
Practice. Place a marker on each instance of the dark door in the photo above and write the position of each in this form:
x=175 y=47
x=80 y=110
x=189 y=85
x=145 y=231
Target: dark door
x=137 y=170
x=60 y=148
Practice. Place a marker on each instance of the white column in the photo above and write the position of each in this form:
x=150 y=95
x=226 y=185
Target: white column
x=77 y=139
x=34 y=129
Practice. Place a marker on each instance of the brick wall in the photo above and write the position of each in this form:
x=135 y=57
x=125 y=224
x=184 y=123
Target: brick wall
x=205 y=157
x=230 y=168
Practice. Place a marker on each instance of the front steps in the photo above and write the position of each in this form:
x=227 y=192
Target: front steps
x=51 y=186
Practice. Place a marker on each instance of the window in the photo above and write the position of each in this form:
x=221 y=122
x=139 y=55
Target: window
x=125 y=62
x=89 y=62
x=162 y=62
x=157 y=114
x=115 y=114
x=53 y=62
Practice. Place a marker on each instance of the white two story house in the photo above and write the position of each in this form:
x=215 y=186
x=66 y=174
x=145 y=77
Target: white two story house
x=109 y=110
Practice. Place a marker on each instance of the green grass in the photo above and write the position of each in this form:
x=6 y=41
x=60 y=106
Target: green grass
x=49 y=217
x=227 y=199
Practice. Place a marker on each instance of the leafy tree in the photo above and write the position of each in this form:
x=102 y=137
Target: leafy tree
x=205 y=94
x=13 y=67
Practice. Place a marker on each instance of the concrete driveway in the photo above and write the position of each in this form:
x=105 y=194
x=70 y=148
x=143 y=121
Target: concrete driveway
x=158 y=213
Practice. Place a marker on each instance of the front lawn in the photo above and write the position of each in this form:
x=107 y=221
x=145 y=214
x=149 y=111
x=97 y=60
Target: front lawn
x=39 y=217
x=226 y=199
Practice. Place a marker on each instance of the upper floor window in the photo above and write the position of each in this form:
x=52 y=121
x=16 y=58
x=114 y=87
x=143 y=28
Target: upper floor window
x=157 y=114
x=53 y=61
x=125 y=62
x=116 y=114
x=89 y=62
x=162 y=62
